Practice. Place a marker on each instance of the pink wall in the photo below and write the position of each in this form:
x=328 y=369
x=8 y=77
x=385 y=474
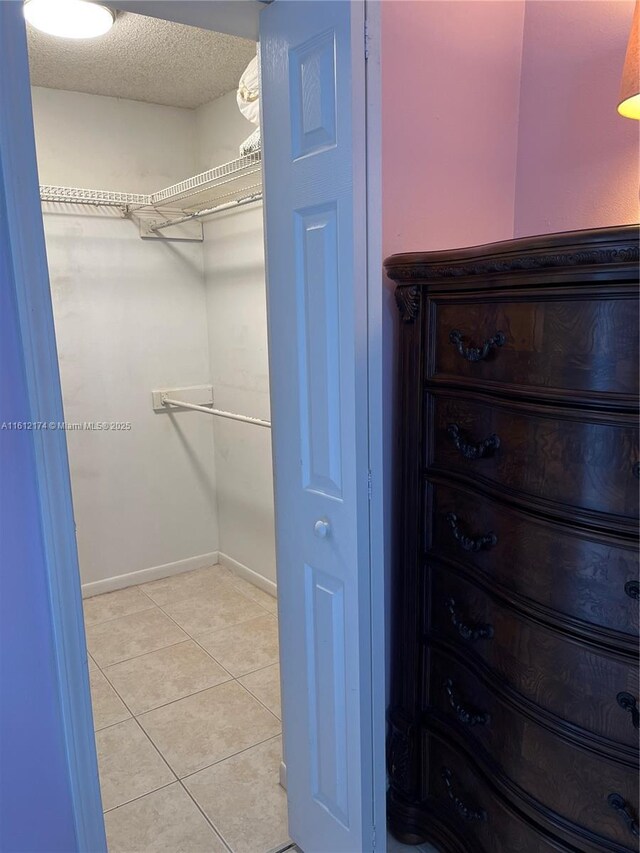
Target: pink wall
x=577 y=158
x=450 y=90
x=499 y=120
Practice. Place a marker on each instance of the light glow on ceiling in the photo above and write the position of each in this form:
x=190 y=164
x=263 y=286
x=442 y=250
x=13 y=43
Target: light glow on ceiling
x=72 y=19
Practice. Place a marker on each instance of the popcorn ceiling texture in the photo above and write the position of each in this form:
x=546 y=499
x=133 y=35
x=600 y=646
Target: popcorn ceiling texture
x=143 y=59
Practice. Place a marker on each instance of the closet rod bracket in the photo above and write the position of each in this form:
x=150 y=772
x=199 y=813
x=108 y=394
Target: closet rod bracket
x=190 y=230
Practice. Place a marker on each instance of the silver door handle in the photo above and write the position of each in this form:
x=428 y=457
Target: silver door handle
x=321 y=528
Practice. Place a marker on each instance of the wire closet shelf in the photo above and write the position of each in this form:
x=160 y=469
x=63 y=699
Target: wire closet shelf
x=224 y=187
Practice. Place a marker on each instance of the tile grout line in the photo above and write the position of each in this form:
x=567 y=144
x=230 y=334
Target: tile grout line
x=258 y=699
x=132 y=715
x=141 y=796
x=180 y=780
x=235 y=678
x=152 y=605
x=146 y=734
x=226 y=669
x=207 y=652
x=259 y=669
x=227 y=757
x=135 y=717
x=188 y=793
x=141 y=586
x=110 y=725
x=229 y=579
x=206 y=766
x=237 y=577
x=162 y=610
x=181 y=698
x=188 y=695
x=232 y=625
x=205 y=816
x=135 y=657
x=176 y=779
x=188 y=639
x=142 y=729
x=195 y=639
x=164 y=760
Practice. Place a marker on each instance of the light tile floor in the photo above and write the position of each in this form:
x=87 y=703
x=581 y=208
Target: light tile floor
x=185 y=685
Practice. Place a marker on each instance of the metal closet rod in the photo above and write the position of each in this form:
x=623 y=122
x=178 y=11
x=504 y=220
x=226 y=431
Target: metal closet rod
x=232 y=416
x=158 y=226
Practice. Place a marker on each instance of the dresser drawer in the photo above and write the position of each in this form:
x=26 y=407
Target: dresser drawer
x=566 y=569
x=560 y=774
x=475 y=812
x=565 y=459
x=584 y=345
x=575 y=682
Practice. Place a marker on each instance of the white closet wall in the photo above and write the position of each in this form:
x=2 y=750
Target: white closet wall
x=220 y=127
x=236 y=311
x=113 y=143
x=130 y=316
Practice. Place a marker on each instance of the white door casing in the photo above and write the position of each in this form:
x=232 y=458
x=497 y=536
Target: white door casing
x=314 y=143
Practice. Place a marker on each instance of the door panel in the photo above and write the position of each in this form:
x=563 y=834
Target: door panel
x=313 y=121
x=319 y=324
x=312 y=85
x=325 y=623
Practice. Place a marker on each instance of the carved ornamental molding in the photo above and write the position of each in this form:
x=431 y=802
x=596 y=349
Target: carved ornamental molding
x=399 y=757
x=408 y=302
x=490 y=266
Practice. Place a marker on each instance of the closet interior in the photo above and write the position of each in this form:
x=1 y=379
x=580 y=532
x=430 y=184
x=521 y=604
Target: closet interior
x=151 y=194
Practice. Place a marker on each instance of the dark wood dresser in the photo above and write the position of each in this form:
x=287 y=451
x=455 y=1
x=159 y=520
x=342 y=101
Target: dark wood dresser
x=513 y=725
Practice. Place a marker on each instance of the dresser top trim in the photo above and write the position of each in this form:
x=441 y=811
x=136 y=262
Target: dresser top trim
x=574 y=249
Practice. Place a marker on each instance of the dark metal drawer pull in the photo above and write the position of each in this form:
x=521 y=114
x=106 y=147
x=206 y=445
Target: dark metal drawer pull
x=470 y=543
x=476 y=353
x=628 y=703
x=468 y=449
x=632 y=588
x=468 y=632
x=620 y=805
x=464 y=715
x=464 y=811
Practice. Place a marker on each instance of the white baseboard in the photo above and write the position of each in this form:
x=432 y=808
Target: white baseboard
x=247 y=574
x=152 y=574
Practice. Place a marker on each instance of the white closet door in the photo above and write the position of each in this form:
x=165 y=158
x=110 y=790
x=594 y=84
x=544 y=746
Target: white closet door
x=313 y=121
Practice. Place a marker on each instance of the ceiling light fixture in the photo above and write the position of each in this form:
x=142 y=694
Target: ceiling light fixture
x=72 y=19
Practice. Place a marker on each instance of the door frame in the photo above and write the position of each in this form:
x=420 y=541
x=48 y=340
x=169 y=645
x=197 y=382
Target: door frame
x=41 y=366
x=53 y=484
x=379 y=525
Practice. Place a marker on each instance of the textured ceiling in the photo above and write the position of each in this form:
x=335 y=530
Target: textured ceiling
x=144 y=59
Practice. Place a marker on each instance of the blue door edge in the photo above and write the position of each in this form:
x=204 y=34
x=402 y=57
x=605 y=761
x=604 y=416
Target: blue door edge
x=33 y=297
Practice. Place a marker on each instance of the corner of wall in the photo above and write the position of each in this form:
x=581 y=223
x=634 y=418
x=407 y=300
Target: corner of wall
x=577 y=162
x=516 y=154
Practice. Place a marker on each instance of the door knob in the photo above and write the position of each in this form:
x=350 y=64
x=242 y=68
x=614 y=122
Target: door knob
x=321 y=528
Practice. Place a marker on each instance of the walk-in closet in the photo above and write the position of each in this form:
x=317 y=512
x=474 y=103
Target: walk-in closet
x=148 y=148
